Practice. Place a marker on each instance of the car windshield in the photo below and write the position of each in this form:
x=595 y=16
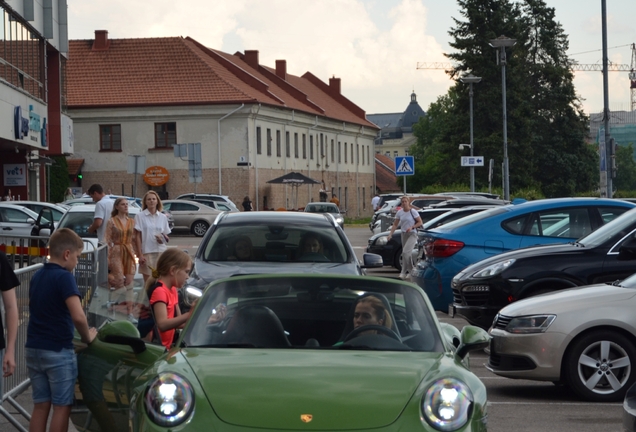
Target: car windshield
x=322 y=208
x=614 y=230
x=312 y=312
x=275 y=243
x=476 y=217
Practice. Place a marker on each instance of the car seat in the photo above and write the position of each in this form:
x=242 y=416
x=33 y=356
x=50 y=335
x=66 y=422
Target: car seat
x=349 y=323
x=256 y=325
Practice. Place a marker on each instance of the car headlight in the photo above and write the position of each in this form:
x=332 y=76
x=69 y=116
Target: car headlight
x=381 y=241
x=339 y=220
x=494 y=269
x=530 y=324
x=169 y=400
x=447 y=404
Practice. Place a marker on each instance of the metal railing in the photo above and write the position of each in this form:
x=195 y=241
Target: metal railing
x=91 y=271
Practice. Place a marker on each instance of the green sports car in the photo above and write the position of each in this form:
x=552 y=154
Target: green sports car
x=286 y=352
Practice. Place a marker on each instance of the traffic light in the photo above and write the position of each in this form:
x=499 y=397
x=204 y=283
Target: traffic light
x=79 y=176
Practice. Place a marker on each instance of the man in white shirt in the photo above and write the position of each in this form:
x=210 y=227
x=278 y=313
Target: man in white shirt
x=103 y=209
x=375 y=202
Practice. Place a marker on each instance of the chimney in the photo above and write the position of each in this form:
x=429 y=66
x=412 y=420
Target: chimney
x=281 y=69
x=334 y=83
x=251 y=58
x=101 y=42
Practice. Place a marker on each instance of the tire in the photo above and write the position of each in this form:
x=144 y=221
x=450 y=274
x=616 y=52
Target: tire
x=397 y=260
x=600 y=366
x=199 y=228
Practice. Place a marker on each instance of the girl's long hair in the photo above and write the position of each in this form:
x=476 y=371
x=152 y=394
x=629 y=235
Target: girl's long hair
x=171 y=257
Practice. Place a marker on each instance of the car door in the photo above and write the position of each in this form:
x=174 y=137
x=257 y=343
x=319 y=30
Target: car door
x=559 y=225
x=15 y=222
x=183 y=214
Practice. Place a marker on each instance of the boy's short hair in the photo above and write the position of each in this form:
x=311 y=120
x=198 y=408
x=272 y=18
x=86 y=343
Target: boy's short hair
x=95 y=188
x=64 y=239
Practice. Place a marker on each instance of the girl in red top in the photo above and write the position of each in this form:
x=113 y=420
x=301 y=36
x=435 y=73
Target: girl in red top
x=173 y=268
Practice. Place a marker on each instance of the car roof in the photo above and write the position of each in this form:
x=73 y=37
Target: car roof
x=196 y=203
x=90 y=208
x=282 y=217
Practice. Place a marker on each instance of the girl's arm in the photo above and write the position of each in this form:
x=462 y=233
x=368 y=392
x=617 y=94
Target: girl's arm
x=161 y=317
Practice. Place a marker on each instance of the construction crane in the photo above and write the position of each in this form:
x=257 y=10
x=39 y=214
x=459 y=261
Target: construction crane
x=612 y=67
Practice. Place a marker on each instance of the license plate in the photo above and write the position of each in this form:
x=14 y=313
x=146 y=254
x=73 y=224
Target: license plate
x=451 y=310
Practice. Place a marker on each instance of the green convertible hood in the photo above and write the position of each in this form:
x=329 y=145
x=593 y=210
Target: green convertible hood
x=272 y=389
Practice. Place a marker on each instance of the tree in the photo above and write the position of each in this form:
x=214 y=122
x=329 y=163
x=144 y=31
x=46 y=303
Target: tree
x=626 y=175
x=546 y=125
x=59 y=179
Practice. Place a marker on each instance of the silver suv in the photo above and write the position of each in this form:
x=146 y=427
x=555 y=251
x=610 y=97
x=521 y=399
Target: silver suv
x=208 y=198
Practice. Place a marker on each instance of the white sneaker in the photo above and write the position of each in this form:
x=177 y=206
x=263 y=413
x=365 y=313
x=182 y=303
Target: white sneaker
x=402 y=276
x=132 y=319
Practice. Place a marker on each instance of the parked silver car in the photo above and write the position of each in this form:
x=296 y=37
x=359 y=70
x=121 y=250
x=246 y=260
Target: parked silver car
x=325 y=207
x=191 y=215
x=583 y=337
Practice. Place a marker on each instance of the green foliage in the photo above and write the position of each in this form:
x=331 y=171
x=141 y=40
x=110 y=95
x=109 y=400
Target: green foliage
x=357 y=221
x=546 y=126
x=626 y=175
x=59 y=179
x=529 y=194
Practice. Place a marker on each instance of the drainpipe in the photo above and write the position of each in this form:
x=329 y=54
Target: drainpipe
x=218 y=130
x=337 y=164
x=309 y=163
x=256 y=195
x=285 y=152
x=358 y=169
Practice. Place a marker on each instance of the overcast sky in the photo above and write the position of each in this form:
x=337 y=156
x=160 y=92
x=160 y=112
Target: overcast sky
x=372 y=45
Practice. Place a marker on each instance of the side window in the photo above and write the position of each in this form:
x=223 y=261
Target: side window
x=608 y=214
x=223 y=207
x=11 y=215
x=188 y=207
x=570 y=223
x=515 y=225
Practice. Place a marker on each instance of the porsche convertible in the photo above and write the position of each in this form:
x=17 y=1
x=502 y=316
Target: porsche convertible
x=286 y=352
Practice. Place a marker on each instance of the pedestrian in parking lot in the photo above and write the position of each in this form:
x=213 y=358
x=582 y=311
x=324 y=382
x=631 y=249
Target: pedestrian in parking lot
x=8 y=282
x=152 y=230
x=120 y=235
x=173 y=268
x=68 y=195
x=54 y=309
x=7 y=195
x=408 y=220
x=103 y=209
x=375 y=202
x=247 y=204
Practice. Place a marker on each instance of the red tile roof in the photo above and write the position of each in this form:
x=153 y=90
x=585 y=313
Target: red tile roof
x=385 y=178
x=181 y=71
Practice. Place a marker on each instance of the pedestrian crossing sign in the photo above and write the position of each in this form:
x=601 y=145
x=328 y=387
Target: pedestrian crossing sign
x=404 y=165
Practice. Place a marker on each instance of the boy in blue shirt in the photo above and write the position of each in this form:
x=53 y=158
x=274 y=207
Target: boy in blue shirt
x=55 y=308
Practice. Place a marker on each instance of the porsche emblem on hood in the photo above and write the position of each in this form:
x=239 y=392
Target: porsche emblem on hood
x=306 y=418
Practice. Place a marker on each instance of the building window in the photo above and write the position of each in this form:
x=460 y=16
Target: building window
x=110 y=137
x=388 y=154
x=296 y=145
x=339 y=152
x=304 y=146
x=406 y=153
x=269 y=142
x=345 y=152
x=333 y=157
x=369 y=156
x=351 y=152
x=165 y=135
x=362 y=154
x=311 y=147
x=395 y=153
x=278 y=143
x=287 y=149
x=357 y=154
x=322 y=147
x=258 y=140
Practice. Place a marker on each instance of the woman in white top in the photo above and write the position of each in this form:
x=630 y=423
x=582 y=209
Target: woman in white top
x=408 y=220
x=152 y=231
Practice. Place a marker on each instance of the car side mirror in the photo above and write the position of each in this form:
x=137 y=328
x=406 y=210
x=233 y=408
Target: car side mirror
x=370 y=260
x=472 y=339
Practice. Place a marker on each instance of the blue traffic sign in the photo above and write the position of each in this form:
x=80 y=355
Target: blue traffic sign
x=404 y=165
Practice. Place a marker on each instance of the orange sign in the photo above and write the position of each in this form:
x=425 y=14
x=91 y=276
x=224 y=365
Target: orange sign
x=156 y=176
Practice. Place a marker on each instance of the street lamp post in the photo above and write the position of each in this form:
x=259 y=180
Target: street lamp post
x=502 y=42
x=470 y=79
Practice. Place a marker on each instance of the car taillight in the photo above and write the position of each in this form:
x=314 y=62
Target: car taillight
x=441 y=248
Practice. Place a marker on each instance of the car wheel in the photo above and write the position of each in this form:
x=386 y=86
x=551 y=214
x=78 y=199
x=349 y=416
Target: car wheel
x=199 y=228
x=600 y=366
x=397 y=260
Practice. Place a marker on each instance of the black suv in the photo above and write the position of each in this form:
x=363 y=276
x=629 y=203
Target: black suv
x=482 y=289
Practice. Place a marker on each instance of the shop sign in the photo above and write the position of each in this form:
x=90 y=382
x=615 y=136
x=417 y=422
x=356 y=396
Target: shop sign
x=14 y=174
x=156 y=176
x=23 y=126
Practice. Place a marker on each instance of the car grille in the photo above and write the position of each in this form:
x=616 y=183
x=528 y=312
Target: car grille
x=474 y=298
x=501 y=322
x=509 y=362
